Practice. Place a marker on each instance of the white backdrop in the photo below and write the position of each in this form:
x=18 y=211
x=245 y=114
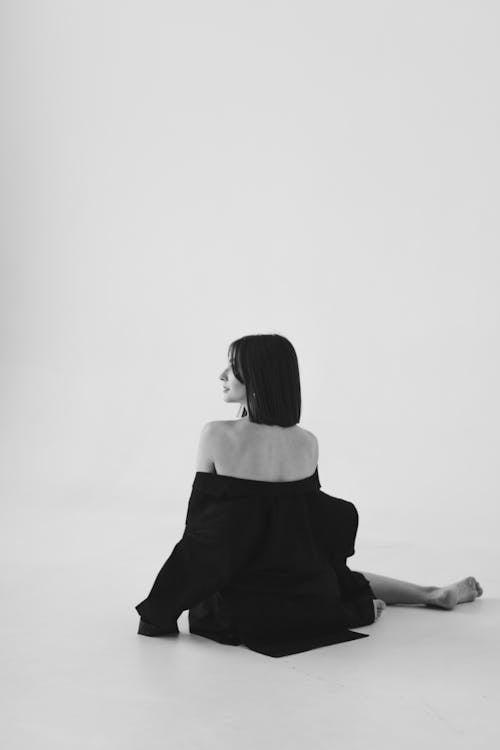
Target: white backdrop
x=179 y=174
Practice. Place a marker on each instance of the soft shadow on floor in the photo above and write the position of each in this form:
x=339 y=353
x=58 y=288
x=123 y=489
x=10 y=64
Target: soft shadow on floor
x=78 y=675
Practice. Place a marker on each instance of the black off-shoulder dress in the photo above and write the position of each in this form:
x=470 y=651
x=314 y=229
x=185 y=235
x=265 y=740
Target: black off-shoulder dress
x=263 y=564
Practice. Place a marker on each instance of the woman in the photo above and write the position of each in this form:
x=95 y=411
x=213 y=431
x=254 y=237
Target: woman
x=266 y=445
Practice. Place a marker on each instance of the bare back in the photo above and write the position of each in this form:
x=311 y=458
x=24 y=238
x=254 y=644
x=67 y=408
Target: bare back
x=268 y=453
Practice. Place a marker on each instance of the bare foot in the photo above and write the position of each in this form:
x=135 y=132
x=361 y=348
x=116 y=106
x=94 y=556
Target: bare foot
x=447 y=597
x=379 y=606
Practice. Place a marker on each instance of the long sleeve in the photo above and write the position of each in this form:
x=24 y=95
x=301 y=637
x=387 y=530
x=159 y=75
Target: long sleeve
x=205 y=559
x=356 y=593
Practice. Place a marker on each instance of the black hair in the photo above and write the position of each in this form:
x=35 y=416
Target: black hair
x=267 y=365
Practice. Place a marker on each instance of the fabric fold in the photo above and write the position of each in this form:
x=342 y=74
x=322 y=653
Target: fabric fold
x=263 y=564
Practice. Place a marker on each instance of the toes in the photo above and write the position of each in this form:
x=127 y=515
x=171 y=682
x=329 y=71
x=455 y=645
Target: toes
x=477 y=586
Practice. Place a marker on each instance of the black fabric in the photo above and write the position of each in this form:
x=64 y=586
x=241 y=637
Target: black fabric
x=263 y=564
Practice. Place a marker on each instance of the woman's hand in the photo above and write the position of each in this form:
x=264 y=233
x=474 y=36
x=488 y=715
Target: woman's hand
x=379 y=606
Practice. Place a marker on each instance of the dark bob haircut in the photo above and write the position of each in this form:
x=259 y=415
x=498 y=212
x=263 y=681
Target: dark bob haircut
x=267 y=365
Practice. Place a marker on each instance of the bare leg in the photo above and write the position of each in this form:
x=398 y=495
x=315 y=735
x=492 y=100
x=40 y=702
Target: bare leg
x=395 y=591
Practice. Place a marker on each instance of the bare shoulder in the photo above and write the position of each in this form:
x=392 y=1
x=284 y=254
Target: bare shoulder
x=233 y=424
x=314 y=441
x=221 y=428
x=217 y=426
x=217 y=429
x=312 y=436
x=211 y=434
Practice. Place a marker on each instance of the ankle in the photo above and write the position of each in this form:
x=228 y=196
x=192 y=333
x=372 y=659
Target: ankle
x=429 y=591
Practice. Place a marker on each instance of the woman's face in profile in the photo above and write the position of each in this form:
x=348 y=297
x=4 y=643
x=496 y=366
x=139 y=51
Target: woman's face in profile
x=236 y=392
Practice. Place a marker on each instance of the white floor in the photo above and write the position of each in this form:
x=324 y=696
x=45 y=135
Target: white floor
x=77 y=675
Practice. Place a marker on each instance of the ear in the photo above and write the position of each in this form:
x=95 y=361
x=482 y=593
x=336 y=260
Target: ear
x=204 y=458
